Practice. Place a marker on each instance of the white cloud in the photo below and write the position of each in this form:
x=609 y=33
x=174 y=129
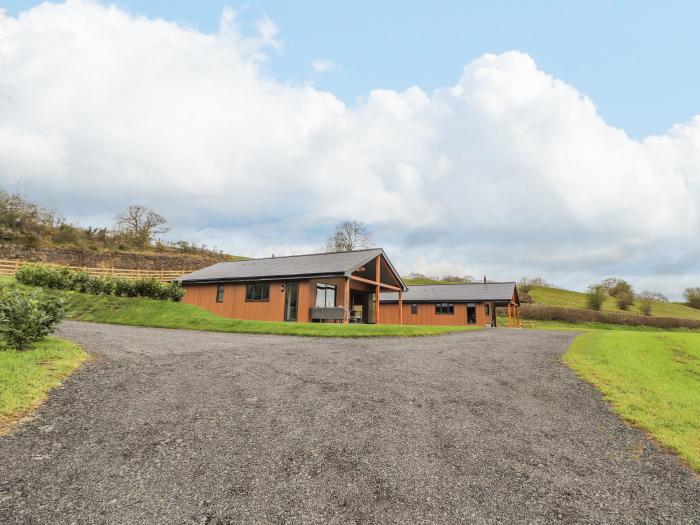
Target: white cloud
x=323 y=66
x=508 y=172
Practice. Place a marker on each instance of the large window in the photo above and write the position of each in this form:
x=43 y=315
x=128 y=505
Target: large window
x=257 y=292
x=220 y=293
x=444 y=309
x=414 y=309
x=325 y=295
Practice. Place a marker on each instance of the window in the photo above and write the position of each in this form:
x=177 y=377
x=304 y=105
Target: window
x=414 y=309
x=444 y=309
x=325 y=295
x=487 y=310
x=257 y=292
x=471 y=313
x=220 y=293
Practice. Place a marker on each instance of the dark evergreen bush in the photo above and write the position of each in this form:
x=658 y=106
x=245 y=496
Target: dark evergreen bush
x=27 y=317
x=65 y=279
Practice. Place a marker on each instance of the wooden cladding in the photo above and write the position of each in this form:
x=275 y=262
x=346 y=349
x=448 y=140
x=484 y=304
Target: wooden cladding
x=271 y=308
x=426 y=314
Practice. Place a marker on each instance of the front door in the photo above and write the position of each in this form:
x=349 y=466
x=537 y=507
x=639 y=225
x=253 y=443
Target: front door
x=291 y=298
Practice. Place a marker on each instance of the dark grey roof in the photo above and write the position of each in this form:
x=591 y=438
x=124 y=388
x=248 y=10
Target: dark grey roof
x=336 y=263
x=454 y=293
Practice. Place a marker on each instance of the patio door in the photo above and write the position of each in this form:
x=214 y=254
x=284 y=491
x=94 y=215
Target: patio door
x=291 y=300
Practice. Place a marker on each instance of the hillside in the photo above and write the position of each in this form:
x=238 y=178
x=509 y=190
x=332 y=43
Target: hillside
x=571 y=299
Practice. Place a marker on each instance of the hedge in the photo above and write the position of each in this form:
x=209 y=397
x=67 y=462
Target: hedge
x=62 y=278
x=543 y=312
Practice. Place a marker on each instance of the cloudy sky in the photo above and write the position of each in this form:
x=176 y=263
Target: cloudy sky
x=550 y=142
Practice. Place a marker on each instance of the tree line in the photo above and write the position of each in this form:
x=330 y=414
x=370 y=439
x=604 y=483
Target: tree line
x=137 y=227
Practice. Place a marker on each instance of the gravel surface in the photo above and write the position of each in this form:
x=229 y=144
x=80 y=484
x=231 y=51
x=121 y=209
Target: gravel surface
x=170 y=426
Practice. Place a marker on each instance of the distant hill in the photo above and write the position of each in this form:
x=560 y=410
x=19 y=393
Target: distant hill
x=417 y=281
x=30 y=232
x=570 y=299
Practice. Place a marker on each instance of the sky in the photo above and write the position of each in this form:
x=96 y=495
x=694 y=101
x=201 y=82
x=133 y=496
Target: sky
x=497 y=139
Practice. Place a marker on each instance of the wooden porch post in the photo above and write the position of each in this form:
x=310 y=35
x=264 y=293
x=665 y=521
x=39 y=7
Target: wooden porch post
x=508 y=315
x=346 y=294
x=378 y=270
x=400 y=306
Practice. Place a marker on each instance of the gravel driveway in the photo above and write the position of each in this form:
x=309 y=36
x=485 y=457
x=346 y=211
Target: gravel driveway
x=170 y=426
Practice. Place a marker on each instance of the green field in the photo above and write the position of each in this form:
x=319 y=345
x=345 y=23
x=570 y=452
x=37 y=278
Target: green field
x=651 y=378
x=166 y=314
x=570 y=299
x=26 y=377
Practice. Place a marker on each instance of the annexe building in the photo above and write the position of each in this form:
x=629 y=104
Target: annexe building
x=340 y=287
x=452 y=304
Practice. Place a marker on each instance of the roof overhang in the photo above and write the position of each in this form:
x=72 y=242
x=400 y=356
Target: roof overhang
x=388 y=263
x=296 y=277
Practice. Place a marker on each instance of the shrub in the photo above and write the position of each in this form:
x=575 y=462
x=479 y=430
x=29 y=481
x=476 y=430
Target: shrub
x=577 y=315
x=692 y=295
x=595 y=297
x=27 y=317
x=66 y=279
x=624 y=300
x=614 y=286
x=646 y=299
x=526 y=284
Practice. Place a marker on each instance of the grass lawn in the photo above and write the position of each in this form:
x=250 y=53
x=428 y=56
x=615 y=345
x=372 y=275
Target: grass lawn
x=590 y=326
x=571 y=299
x=651 y=378
x=166 y=314
x=26 y=377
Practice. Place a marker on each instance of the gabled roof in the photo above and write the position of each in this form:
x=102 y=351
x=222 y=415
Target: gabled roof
x=454 y=293
x=299 y=266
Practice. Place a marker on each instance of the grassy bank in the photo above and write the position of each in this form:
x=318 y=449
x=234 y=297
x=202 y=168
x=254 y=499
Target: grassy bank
x=651 y=378
x=571 y=299
x=587 y=327
x=26 y=377
x=166 y=314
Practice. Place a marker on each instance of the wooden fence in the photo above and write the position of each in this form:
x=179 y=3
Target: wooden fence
x=10 y=267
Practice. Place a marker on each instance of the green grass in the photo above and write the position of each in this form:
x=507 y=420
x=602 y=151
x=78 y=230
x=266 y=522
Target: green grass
x=588 y=326
x=652 y=379
x=571 y=299
x=166 y=314
x=26 y=377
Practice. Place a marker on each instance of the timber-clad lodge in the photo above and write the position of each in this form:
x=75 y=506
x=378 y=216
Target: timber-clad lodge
x=360 y=286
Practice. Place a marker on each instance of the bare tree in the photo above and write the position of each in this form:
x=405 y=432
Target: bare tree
x=348 y=236
x=140 y=224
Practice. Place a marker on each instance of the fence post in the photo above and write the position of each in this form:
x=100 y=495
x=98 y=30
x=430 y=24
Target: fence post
x=16 y=265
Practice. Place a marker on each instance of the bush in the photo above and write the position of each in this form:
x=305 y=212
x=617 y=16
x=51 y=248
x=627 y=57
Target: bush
x=646 y=299
x=595 y=297
x=624 y=300
x=66 y=279
x=527 y=283
x=645 y=306
x=27 y=317
x=576 y=315
x=615 y=286
x=692 y=295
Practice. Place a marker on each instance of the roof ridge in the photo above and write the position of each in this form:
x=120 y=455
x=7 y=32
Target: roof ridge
x=305 y=255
